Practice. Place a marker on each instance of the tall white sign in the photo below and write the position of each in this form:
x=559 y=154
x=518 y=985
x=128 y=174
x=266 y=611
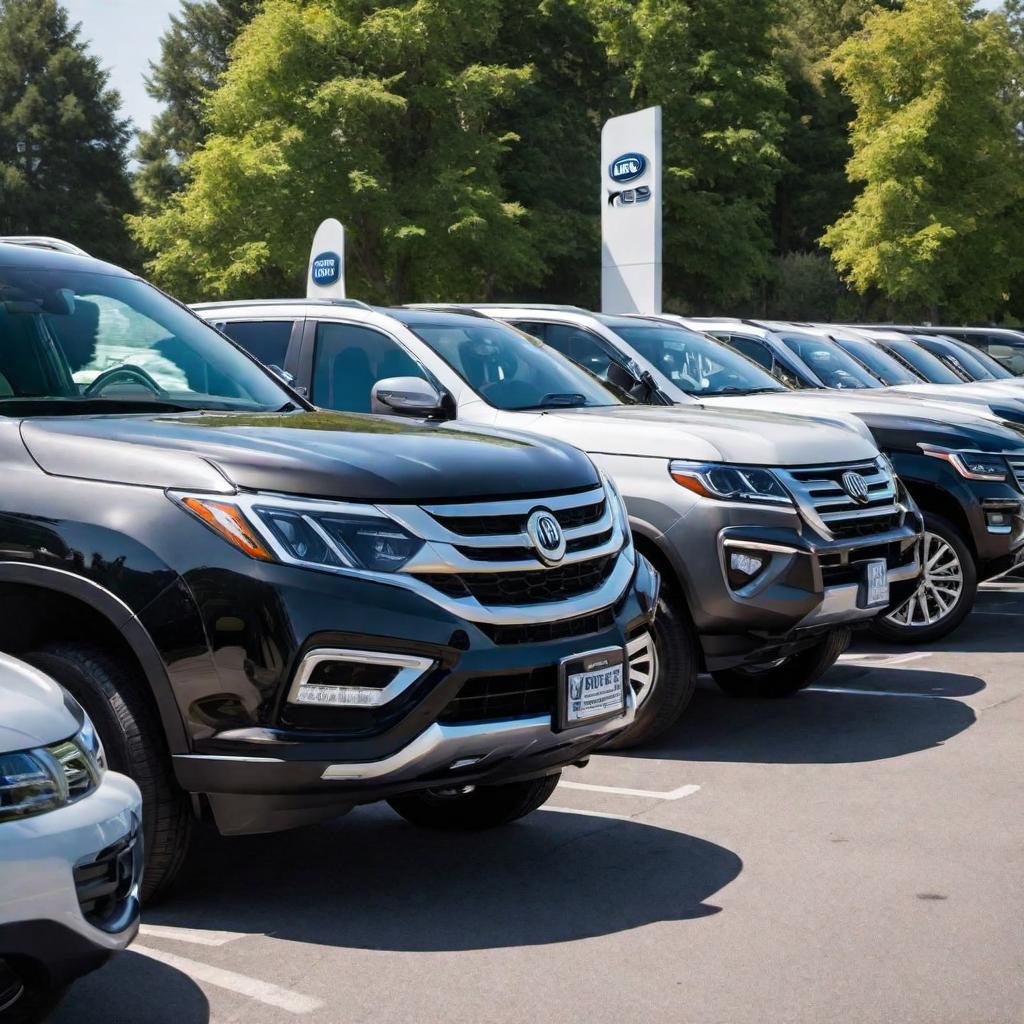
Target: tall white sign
x=325 y=275
x=631 y=213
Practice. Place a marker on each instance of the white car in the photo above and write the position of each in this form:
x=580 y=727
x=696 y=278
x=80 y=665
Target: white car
x=70 y=845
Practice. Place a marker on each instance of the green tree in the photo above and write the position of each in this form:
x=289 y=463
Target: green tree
x=376 y=113
x=63 y=145
x=713 y=69
x=935 y=146
x=193 y=56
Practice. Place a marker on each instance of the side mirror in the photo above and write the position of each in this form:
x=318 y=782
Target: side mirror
x=406 y=396
x=621 y=377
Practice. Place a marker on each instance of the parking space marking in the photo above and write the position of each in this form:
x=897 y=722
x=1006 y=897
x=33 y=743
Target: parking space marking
x=588 y=814
x=882 y=660
x=197 y=936
x=876 y=693
x=261 y=991
x=672 y=794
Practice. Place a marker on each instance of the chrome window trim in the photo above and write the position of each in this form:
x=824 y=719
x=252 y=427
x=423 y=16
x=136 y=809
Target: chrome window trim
x=411 y=668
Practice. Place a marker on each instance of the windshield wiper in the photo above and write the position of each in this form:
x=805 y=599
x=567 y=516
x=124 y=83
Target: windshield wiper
x=742 y=391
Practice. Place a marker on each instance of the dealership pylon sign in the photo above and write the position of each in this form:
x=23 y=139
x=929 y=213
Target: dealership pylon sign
x=631 y=213
x=325 y=275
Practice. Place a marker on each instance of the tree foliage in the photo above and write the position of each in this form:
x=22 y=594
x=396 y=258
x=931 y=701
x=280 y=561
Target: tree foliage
x=193 y=56
x=63 y=145
x=378 y=113
x=713 y=69
x=938 y=218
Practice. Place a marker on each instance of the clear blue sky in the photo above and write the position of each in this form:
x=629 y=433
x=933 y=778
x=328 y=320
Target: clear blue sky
x=125 y=34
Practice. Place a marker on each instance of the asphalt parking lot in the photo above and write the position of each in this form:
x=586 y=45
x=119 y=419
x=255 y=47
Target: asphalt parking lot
x=853 y=854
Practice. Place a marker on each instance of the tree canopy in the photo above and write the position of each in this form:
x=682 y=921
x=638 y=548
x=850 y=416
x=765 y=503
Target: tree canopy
x=938 y=219
x=63 y=145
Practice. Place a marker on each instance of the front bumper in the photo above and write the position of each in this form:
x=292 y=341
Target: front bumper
x=299 y=765
x=50 y=866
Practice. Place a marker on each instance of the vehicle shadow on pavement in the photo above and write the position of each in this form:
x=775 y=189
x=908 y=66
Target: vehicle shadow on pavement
x=913 y=710
x=372 y=881
x=147 y=992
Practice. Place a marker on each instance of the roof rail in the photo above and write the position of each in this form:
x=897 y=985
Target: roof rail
x=554 y=306
x=228 y=303
x=44 y=242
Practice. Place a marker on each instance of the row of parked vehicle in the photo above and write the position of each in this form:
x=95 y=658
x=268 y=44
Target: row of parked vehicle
x=288 y=557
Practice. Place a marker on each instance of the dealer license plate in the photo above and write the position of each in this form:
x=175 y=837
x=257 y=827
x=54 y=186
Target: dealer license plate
x=878 y=584
x=593 y=686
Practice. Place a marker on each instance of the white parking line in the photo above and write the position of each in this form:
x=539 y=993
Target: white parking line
x=588 y=814
x=261 y=991
x=197 y=936
x=875 y=693
x=882 y=660
x=672 y=794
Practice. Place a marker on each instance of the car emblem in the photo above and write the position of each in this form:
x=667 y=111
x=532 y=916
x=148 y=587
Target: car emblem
x=627 y=167
x=545 y=533
x=856 y=487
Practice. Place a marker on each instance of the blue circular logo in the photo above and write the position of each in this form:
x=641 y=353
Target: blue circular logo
x=627 y=167
x=326 y=269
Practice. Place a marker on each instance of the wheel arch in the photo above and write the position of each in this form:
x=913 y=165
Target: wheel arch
x=49 y=603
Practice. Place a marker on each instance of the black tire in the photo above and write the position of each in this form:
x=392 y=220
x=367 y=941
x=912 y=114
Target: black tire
x=937 y=531
x=476 y=808
x=675 y=646
x=788 y=676
x=133 y=739
x=35 y=1004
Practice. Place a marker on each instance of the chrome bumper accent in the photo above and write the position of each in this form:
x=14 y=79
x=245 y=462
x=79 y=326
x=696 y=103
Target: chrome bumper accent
x=840 y=603
x=477 y=745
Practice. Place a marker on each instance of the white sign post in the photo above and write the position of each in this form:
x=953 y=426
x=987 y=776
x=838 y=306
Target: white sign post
x=325 y=275
x=631 y=213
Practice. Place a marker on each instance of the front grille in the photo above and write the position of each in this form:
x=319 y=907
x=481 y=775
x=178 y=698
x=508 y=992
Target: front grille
x=103 y=883
x=482 y=524
x=506 y=696
x=1017 y=465
x=542 y=632
x=534 y=586
x=822 y=490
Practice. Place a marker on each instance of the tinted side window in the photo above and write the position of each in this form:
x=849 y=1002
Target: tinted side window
x=349 y=360
x=752 y=349
x=267 y=340
x=534 y=327
x=580 y=346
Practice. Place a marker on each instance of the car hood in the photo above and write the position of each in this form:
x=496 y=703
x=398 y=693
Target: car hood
x=902 y=423
x=716 y=435
x=32 y=708
x=316 y=454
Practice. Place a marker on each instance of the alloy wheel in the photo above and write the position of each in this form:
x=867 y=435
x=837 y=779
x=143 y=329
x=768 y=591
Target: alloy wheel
x=643 y=666
x=940 y=589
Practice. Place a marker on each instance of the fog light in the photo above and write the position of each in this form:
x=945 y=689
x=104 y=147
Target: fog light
x=998 y=522
x=355 y=679
x=744 y=567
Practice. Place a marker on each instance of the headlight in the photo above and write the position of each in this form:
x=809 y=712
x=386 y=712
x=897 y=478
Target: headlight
x=355 y=537
x=730 y=483
x=971 y=465
x=46 y=778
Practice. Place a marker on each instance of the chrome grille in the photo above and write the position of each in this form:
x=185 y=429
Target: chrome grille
x=1017 y=465
x=480 y=552
x=824 y=499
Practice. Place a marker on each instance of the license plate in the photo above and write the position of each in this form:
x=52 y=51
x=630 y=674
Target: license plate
x=592 y=686
x=877 y=584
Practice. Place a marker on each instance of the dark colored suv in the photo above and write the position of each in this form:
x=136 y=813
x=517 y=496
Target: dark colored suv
x=274 y=613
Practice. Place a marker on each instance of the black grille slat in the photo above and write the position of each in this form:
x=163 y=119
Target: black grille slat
x=104 y=883
x=505 y=696
x=543 y=632
x=538 y=586
x=487 y=526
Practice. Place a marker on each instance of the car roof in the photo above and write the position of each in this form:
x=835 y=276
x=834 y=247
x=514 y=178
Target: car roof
x=31 y=257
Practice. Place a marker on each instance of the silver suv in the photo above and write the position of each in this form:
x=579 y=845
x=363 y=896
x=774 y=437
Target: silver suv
x=774 y=534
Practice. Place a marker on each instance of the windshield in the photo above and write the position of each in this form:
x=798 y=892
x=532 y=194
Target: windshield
x=930 y=367
x=69 y=339
x=833 y=367
x=884 y=366
x=510 y=370
x=695 y=363
x=992 y=366
x=964 y=363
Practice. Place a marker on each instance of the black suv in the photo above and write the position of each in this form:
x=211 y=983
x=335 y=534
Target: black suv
x=274 y=613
